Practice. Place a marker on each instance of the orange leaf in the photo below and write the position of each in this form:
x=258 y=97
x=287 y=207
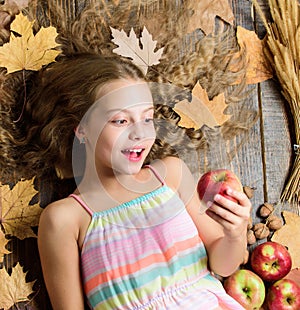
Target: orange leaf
x=216 y=106
x=14 y=287
x=204 y=13
x=201 y=111
x=258 y=69
x=294 y=275
x=283 y=236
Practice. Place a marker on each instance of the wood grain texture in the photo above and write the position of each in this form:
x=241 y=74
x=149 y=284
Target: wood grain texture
x=277 y=132
x=262 y=159
x=249 y=158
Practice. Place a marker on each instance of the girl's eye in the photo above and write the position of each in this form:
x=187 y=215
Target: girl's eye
x=148 y=120
x=119 y=121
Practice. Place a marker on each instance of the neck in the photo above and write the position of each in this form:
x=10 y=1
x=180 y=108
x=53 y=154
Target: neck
x=107 y=180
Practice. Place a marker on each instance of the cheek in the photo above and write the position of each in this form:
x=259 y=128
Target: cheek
x=107 y=141
x=150 y=132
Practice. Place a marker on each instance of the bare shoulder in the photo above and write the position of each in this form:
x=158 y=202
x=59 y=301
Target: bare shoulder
x=174 y=171
x=59 y=214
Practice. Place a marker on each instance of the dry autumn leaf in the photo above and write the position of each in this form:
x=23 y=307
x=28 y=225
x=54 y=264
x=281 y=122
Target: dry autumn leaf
x=17 y=216
x=12 y=4
x=201 y=111
x=28 y=51
x=205 y=12
x=283 y=236
x=294 y=275
x=258 y=68
x=129 y=46
x=14 y=287
x=3 y=243
x=216 y=106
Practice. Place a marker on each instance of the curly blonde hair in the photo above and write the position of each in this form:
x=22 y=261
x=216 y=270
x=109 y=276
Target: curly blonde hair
x=59 y=97
x=41 y=140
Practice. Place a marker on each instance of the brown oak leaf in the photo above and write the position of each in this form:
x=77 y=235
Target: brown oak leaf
x=204 y=13
x=201 y=111
x=17 y=216
x=28 y=51
x=3 y=243
x=129 y=46
x=283 y=236
x=14 y=287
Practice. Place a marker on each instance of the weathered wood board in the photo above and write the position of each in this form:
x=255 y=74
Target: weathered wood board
x=263 y=161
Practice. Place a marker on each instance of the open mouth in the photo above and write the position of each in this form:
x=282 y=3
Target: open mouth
x=133 y=154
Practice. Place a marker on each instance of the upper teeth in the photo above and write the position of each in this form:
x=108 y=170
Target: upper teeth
x=134 y=150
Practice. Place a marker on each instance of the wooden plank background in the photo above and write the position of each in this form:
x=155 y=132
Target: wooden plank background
x=267 y=156
x=263 y=161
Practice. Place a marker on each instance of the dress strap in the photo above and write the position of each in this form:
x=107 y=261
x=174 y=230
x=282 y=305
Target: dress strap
x=155 y=172
x=82 y=203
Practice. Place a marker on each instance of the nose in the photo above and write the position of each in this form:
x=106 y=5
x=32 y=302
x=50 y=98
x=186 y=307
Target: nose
x=137 y=131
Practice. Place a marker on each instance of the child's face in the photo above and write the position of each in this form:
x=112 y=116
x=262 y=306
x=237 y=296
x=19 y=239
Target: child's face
x=120 y=129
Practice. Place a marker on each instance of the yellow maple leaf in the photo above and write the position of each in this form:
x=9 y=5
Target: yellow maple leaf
x=283 y=236
x=14 y=287
x=3 y=243
x=28 y=51
x=17 y=216
x=201 y=111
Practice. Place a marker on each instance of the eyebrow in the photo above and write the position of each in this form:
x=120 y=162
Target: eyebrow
x=127 y=110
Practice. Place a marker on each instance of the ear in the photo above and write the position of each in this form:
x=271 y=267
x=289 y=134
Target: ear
x=79 y=132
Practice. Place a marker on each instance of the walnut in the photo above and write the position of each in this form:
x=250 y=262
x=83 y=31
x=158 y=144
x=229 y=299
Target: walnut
x=249 y=191
x=250 y=224
x=251 y=239
x=261 y=230
x=274 y=222
x=266 y=209
x=246 y=257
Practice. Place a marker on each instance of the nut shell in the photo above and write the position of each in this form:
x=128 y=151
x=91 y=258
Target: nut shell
x=246 y=257
x=250 y=224
x=249 y=191
x=274 y=222
x=251 y=239
x=266 y=209
x=261 y=230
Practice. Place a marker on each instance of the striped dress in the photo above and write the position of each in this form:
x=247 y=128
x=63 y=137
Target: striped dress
x=147 y=254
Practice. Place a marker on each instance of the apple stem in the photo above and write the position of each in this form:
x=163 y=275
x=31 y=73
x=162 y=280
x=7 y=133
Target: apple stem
x=221 y=177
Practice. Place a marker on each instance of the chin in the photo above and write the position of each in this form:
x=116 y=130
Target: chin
x=131 y=169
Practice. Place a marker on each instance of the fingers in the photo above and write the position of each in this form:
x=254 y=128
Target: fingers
x=239 y=196
x=234 y=201
x=232 y=211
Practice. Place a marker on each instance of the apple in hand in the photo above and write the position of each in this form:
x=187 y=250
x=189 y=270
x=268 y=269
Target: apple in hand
x=271 y=261
x=283 y=295
x=217 y=182
x=246 y=288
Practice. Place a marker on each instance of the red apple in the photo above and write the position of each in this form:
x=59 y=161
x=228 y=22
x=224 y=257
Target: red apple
x=217 y=182
x=271 y=261
x=246 y=288
x=283 y=295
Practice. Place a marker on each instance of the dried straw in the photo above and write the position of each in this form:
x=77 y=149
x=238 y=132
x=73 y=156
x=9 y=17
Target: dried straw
x=283 y=41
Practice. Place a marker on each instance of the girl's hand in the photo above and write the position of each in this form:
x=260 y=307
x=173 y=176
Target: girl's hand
x=232 y=216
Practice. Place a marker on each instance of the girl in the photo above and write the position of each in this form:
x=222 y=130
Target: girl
x=131 y=235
